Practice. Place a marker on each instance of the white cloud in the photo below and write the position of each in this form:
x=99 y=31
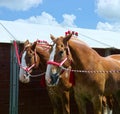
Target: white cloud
x=108 y=27
x=47 y=19
x=44 y=18
x=68 y=20
x=109 y=9
x=19 y=4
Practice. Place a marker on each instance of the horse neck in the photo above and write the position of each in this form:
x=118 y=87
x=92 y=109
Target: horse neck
x=44 y=56
x=82 y=54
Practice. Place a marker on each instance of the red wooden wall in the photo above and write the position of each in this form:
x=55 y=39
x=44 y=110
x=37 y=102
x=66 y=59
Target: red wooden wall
x=4 y=78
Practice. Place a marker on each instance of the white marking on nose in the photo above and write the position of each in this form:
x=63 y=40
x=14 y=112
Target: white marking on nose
x=48 y=70
x=22 y=78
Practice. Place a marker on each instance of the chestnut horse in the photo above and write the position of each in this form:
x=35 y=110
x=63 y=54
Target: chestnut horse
x=95 y=76
x=34 y=58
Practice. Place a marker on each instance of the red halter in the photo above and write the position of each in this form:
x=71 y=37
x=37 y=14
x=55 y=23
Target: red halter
x=56 y=63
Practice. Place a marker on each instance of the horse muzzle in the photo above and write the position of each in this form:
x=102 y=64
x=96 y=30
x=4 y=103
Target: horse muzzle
x=54 y=79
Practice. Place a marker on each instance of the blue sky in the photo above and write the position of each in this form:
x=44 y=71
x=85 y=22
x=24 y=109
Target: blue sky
x=90 y=14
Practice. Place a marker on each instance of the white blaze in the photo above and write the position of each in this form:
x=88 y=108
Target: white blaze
x=22 y=77
x=48 y=70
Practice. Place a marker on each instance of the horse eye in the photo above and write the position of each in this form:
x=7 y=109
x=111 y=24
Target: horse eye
x=61 y=45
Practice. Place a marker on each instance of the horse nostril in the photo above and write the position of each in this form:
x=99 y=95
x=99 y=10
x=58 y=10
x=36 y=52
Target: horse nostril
x=61 y=52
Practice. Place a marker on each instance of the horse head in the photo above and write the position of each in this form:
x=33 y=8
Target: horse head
x=29 y=61
x=59 y=57
x=32 y=58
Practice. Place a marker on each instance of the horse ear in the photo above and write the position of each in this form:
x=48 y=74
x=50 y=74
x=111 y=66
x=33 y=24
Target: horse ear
x=67 y=38
x=52 y=38
x=34 y=45
x=26 y=43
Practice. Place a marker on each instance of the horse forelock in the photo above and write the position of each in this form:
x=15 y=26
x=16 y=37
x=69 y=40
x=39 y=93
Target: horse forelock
x=28 y=45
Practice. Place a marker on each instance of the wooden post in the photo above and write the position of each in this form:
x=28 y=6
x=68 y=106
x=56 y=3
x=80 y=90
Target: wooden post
x=14 y=83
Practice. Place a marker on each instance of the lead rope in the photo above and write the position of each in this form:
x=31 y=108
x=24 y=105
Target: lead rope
x=89 y=71
x=36 y=75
